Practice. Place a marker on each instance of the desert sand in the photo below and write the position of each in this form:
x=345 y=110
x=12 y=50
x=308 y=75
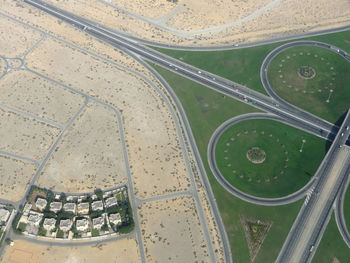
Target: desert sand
x=14 y=177
x=2 y=66
x=155 y=156
x=218 y=22
x=25 y=136
x=39 y=96
x=89 y=156
x=144 y=112
x=15 y=38
x=171 y=231
x=125 y=250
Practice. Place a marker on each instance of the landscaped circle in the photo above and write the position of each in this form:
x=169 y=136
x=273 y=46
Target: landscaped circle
x=312 y=78
x=267 y=158
x=256 y=155
x=306 y=72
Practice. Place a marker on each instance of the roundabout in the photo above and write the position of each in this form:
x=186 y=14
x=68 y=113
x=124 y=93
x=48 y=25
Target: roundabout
x=280 y=174
x=310 y=75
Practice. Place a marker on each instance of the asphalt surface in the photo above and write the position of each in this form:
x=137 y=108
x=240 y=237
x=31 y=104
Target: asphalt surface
x=302 y=120
x=285 y=111
x=307 y=230
x=266 y=63
x=339 y=213
x=233 y=190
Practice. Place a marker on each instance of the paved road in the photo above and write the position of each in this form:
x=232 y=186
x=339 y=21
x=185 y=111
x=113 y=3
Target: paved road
x=266 y=63
x=302 y=120
x=339 y=213
x=305 y=121
x=308 y=228
x=233 y=190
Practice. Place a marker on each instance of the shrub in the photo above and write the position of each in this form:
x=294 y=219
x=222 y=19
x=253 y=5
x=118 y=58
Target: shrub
x=22 y=227
x=95 y=232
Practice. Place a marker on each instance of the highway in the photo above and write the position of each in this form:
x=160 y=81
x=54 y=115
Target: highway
x=307 y=230
x=317 y=205
x=292 y=115
x=339 y=213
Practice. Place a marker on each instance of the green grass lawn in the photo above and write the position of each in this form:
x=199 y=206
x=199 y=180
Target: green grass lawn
x=206 y=110
x=284 y=170
x=243 y=65
x=347 y=208
x=327 y=94
x=332 y=246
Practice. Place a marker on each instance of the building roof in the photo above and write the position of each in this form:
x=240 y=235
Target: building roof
x=115 y=218
x=82 y=224
x=40 y=203
x=97 y=206
x=111 y=201
x=27 y=208
x=83 y=208
x=69 y=207
x=66 y=224
x=55 y=206
x=35 y=218
x=4 y=214
x=98 y=222
x=49 y=223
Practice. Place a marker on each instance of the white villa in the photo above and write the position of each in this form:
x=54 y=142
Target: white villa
x=115 y=219
x=82 y=224
x=40 y=204
x=55 y=207
x=66 y=225
x=49 y=223
x=98 y=222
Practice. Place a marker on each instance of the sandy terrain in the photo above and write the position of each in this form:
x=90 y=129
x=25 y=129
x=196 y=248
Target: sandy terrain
x=171 y=231
x=154 y=152
x=89 y=156
x=2 y=66
x=14 y=177
x=215 y=22
x=15 y=38
x=151 y=9
x=25 y=136
x=125 y=250
x=119 y=88
x=39 y=96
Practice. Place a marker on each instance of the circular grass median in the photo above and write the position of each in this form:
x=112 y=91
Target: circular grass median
x=286 y=160
x=312 y=78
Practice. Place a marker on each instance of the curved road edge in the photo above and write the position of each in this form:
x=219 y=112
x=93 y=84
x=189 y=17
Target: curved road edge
x=339 y=213
x=275 y=52
x=202 y=172
x=233 y=190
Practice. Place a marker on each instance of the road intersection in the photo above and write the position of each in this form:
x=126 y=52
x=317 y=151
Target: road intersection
x=286 y=112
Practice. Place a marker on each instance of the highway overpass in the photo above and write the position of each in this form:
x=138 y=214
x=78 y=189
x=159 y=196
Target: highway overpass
x=308 y=228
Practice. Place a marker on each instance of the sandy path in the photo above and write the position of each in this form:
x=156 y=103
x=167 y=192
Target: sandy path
x=89 y=156
x=15 y=39
x=124 y=250
x=39 y=96
x=14 y=178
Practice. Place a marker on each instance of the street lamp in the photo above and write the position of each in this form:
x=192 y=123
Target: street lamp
x=329 y=95
x=302 y=145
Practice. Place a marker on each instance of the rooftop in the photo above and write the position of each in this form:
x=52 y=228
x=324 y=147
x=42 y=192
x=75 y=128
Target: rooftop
x=4 y=215
x=97 y=206
x=41 y=203
x=55 y=206
x=111 y=201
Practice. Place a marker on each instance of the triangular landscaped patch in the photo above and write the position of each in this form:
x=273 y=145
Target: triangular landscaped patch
x=255 y=233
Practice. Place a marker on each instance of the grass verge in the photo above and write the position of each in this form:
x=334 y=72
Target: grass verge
x=206 y=110
x=243 y=65
x=284 y=170
x=332 y=246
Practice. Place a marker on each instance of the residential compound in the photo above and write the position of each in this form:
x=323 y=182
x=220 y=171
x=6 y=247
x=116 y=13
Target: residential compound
x=5 y=215
x=75 y=216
